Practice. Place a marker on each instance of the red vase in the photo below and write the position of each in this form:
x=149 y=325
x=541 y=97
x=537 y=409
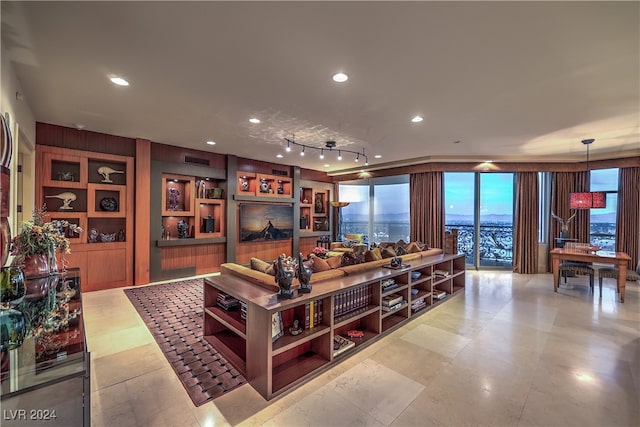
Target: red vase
x=36 y=265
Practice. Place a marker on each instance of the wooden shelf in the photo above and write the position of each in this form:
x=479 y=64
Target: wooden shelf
x=279 y=365
x=294 y=369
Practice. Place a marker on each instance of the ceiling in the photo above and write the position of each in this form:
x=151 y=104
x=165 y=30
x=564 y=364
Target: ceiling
x=511 y=81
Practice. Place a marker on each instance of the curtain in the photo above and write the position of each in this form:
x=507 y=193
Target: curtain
x=525 y=243
x=427 y=208
x=562 y=184
x=627 y=218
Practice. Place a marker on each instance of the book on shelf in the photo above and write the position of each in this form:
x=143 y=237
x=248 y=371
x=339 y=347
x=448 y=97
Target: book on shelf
x=438 y=294
x=392 y=299
x=394 y=307
x=417 y=307
x=352 y=300
x=441 y=273
x=341 y=344
x=388 y=284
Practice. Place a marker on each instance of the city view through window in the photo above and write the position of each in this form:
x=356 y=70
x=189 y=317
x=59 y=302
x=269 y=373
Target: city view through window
x=379 y=209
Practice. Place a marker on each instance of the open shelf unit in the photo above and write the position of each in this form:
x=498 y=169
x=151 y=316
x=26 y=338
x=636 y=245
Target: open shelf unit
x=94 y=191
x=264 y=185
x=195 y=201
x=314 y=209
x=281 y=359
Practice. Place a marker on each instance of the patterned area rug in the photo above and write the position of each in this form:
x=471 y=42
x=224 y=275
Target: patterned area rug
x=173 y=314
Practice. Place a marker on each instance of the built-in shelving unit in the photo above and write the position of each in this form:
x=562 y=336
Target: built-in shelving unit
x=281 y=359
x=94 y=191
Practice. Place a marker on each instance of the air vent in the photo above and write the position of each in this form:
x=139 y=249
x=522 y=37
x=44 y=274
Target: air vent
x=196 y=160
x=279 y=173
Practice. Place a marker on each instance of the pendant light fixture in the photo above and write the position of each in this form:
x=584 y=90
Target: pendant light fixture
x=591 y=199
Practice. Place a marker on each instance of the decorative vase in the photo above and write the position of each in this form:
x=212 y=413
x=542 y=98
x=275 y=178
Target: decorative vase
x=36 y=265
x=12 y=329
x=5 y=240
x=12 y=287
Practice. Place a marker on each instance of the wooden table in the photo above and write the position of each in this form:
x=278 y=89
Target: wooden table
x=619 y=259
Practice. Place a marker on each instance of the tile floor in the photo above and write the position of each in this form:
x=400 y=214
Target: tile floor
x=507 y=352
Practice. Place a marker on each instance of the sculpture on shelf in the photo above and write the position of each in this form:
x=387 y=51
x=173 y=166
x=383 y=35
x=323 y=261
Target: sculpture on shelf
x=107 y=237
x=109 y=204
x=93 y=235
x=284 y=279
x=67 y=197
x=304 y=276
x=280 y=187
x=172 y=203
x=245 y=185
x=105 y=171
x=264 y=186
x=183 y=229
x=65 y=176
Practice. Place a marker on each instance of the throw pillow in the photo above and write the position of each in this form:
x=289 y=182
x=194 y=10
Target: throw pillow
x=413 y=248
x=259 y=265
x=400 y=250
x=320 y=265
x=348 y=258
x=271 y=270
x=334 y=261
x=350 y=243
x=353 y=236
x=372 y=255
x=388 y=252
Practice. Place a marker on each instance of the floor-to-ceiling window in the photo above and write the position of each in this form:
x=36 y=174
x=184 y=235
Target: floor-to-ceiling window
x=480 y=206
x=603 y=221
x=378 y=208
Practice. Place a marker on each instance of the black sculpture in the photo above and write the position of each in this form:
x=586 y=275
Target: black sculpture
x=304 y=276
x=284 y=278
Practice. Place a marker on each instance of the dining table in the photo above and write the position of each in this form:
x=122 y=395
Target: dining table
x=618 y=259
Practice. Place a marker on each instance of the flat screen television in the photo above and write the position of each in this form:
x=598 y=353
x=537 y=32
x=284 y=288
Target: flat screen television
x=263 y=222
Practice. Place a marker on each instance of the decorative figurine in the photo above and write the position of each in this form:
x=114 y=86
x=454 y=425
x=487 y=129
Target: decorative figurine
x=65 y=176
x=304 y=276
x=108 y=237
x=183 y=229
x=284 y=278
x=295 y=329
x=245 y=185
x=280 y=188
x=172 y=203
x=105 y=171
x=121 y=237
x=109 y=204
x=264 y=186
x=67 y=197
x=93 y=235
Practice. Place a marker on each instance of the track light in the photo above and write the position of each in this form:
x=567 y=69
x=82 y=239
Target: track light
x=329 y=145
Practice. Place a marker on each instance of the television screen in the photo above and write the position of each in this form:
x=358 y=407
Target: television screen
x=261 y=222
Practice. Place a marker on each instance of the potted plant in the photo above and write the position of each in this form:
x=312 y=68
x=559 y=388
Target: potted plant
x=35 y=246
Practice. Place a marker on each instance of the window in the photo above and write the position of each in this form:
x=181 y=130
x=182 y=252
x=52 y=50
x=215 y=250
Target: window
x=378 y=208
x=603 y=221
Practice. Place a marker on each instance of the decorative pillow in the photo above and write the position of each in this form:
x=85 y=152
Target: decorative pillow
x=334 y=261
x=401 y=243
x=320 y=265
x=271 y=270
x=259 y=265
x=400 y=250
x=350 y=243
x=413 y=248
x=352 y=236
x=388 y=252
x=358 y=256
x=372 y=255
x=422 y=246
x=348 y=258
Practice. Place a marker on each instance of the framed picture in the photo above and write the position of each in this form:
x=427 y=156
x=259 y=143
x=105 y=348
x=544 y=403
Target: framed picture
x=319 y=204
x=277 y=329
x=260 y=222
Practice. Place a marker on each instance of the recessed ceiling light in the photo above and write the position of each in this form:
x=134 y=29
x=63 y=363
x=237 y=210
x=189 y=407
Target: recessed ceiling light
x=119 y=81
x=327 y=165
x=417 y=119
x=340 y=77
x=378 y=156
x=254 y=120
x=279 y=156
x=211 y=142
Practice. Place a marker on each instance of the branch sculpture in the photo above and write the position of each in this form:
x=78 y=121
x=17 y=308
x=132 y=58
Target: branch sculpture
x=564 y=225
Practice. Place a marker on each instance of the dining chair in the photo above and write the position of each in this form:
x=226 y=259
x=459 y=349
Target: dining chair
x=613 y=273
